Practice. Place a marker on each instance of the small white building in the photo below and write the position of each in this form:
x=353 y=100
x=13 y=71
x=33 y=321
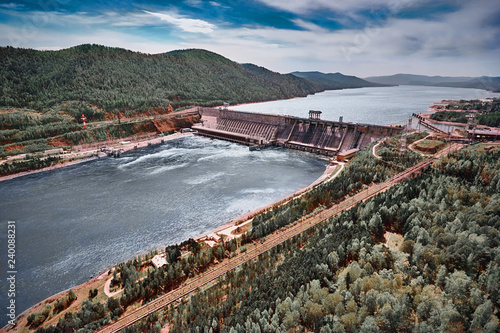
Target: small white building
x=159 y=260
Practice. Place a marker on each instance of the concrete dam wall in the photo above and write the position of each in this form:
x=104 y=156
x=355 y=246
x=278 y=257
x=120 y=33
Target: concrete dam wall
x=310 y=134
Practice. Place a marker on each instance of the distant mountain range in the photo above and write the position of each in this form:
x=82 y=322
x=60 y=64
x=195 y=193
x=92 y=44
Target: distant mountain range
x=332 y=81
x=484 y=82
x=116 y=79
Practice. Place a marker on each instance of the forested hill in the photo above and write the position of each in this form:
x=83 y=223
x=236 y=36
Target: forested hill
x=118 y=79
x=332 y=81
x=483 y=82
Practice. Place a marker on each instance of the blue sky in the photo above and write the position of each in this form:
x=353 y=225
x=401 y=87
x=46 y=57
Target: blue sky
x=356 y=37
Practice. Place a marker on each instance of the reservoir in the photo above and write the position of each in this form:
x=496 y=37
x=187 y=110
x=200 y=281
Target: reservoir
x=378 y=106
x=74 y=222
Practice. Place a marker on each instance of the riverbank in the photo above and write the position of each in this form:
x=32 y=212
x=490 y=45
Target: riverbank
x=331 y=171
x=429 y=119
x=89 y=154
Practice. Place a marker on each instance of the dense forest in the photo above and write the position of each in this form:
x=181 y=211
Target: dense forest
x=332 y=81
x=453 y=116
x=118 y=79
x=445 y=277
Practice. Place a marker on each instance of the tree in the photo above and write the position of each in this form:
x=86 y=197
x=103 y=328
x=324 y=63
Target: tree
x=481 y=316
x=376 y=226
x=458 y=284
x=347 y=280
x=291 y=319
x=71 y=295
x=369 y=326
x=313 y=313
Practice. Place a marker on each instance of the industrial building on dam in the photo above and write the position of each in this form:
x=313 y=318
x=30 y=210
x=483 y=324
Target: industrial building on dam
x=311 y=134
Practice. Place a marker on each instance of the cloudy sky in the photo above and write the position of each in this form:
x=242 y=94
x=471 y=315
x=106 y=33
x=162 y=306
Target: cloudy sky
x=356 y=37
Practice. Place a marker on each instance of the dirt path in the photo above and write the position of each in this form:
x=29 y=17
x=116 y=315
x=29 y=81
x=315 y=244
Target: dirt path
x=414 y=143
x=107 y=291
x=374 y=149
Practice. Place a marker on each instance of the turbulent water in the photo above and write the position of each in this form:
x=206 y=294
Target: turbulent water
x=74 y=222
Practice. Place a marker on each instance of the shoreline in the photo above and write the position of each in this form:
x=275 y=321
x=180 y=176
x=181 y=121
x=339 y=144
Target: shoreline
x=428 y=118
x=240 y=220
x=93 y=154
x=49 y=168
x=246 y=217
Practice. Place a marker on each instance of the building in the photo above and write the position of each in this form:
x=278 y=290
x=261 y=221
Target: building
x=347 y=154
x=159 y=260
x=315 y=115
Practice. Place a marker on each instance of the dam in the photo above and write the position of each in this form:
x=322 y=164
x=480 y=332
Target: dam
x=311 y=134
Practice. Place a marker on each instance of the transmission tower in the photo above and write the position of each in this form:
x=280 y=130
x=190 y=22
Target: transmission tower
x=404 y=135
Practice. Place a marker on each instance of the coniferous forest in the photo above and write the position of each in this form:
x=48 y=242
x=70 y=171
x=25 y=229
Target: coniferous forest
x=113 y=78
x=341 y=277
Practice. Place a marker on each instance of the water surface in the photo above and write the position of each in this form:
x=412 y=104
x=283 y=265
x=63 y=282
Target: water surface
x=74 y=222
x=379 y=106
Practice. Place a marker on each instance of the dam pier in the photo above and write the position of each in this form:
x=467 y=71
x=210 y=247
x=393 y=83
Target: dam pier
x=311 y=134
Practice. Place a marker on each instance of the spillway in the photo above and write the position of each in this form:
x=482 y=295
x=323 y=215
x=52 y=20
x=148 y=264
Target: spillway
x=312 y=134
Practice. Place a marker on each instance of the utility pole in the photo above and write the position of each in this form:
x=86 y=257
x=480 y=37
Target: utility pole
x=403 y=136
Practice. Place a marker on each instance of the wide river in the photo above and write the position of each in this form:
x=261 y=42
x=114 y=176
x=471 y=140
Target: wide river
x=74 y=222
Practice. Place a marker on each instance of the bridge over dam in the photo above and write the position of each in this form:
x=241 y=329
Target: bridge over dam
x=310 y=134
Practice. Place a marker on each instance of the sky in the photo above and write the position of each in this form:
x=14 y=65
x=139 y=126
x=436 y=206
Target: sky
x=354 y=37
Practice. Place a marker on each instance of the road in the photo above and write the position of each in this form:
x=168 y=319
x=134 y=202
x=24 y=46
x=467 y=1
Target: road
x=141 y=119
x=254 y=250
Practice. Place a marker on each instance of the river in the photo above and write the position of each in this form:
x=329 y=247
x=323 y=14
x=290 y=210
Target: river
x=74 y=222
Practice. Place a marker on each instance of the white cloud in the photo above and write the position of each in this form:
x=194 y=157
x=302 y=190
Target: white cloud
x=186 y=24
x=302 y=7
x=309 y=25
x=216 y=4
x=11 y=5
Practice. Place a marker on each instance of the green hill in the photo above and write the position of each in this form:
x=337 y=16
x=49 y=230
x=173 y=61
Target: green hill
x=333 y=81
x=118 y=79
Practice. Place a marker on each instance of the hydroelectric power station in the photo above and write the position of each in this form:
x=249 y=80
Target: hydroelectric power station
x=311 y=134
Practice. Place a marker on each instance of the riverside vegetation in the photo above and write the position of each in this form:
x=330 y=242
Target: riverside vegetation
x=339 y=276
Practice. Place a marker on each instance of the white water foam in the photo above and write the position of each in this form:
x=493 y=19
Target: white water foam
x=258 y=191
x=167 y=168
x=161 y=154
x=204 y=179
